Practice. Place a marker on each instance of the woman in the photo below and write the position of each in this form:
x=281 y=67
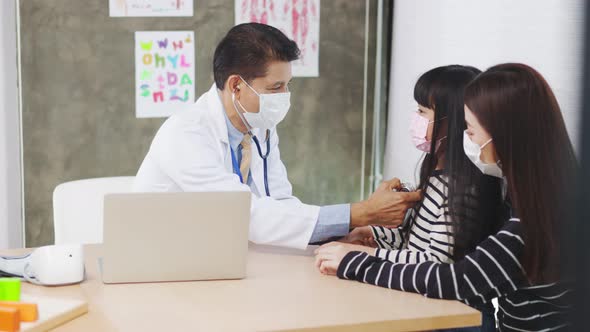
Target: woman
x=514 y=130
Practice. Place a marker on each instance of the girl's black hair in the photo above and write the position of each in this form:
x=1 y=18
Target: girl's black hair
x=475 y=202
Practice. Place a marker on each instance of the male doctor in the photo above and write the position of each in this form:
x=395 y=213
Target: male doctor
x=221 y=145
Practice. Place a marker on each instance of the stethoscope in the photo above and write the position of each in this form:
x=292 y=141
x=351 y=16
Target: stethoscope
x=264 y=157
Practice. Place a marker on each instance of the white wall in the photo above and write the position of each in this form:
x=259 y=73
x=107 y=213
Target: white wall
x=545 y=34
x=11 y=234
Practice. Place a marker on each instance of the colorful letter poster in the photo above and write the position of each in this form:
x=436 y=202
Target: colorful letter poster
x=147 y=8
x=164 y=72
x=298 y=19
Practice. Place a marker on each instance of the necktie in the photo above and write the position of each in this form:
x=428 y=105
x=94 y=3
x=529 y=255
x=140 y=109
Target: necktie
x=246 y=146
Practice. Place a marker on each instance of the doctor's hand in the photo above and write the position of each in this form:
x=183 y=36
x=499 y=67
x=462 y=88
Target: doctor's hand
x=329 y=256
x=385 y=206
x=360 y=235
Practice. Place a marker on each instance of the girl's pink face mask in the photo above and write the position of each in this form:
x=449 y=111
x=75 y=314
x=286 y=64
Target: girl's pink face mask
x=418 y=130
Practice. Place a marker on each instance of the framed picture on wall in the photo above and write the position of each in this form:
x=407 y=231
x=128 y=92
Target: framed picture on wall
x=164 y=72
x=147 y=8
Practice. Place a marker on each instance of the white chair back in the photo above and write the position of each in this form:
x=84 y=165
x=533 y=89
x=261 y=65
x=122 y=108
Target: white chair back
x=78 y=208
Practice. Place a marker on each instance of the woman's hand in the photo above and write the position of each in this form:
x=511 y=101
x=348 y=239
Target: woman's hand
x=329 y=256
x=361 y=235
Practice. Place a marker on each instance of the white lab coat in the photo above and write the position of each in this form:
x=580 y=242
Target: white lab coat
x=191 y=152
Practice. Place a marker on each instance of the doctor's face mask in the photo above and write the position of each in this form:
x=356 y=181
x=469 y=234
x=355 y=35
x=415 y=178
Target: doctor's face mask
x=272 y=97
x=272 y=109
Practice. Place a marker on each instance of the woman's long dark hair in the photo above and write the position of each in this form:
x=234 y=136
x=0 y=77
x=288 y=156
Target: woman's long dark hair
x=474 y=199
x=516 y=106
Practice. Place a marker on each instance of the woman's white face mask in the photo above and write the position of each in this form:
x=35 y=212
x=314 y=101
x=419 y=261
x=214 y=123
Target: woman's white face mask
x=272 y=110
x=473 y=152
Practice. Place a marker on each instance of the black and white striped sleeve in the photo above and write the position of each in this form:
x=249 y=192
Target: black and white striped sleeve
x=388 y=238
x=439 y=247
x=491 y=270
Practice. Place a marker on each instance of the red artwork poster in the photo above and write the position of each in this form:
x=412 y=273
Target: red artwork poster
x=298 y=19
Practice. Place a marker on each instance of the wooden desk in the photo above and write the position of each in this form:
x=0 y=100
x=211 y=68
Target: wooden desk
x=283 y=291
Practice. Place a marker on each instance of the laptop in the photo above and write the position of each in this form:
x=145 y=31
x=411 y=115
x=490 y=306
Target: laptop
x=153 y=237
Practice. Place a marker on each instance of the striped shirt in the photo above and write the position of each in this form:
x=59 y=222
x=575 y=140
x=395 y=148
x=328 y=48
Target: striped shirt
x=426 y=234
x=493 y=270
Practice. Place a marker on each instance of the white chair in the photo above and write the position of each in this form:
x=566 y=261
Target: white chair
x=78 y=208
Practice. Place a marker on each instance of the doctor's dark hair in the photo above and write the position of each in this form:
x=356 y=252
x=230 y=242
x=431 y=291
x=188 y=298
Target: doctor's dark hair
x=247 y=49
x=516 y=106
x=474 y=200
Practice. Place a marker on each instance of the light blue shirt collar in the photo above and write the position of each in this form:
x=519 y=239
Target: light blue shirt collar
x=235 y=136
